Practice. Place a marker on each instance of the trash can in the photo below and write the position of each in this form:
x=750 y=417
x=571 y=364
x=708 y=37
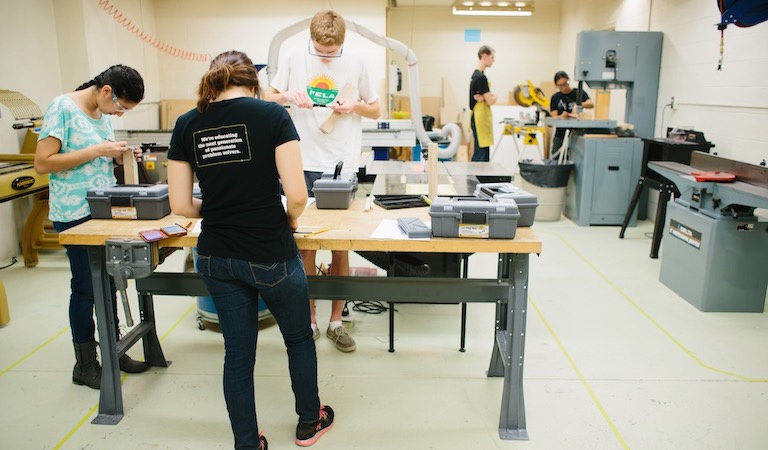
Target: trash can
x=547 y=180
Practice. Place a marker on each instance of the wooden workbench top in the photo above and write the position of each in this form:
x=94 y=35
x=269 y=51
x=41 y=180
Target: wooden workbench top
x=348 y=229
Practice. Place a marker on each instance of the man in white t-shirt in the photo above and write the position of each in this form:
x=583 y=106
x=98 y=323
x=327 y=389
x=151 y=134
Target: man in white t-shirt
x=310 y=80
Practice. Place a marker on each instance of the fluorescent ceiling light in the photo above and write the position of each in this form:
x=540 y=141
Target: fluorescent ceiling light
x=485 y=8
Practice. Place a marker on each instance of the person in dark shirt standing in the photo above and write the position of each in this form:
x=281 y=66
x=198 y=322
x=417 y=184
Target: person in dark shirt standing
x=564 y=105
x=242 y=149
x=480 y=100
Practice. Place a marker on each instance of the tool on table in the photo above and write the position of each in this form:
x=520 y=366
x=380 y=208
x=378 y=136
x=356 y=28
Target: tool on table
x=414 y=228
x=337 y=170
x=368 y=202
x=400 y=201
x=334 y=190
x=310 y=232
x=127 y=258
x=344 y=95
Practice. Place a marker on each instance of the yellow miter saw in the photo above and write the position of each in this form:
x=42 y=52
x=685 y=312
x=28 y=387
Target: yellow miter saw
x=529 y=95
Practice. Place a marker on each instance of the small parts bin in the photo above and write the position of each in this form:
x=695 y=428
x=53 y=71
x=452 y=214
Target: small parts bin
x=129 y=201
x=509 y=193
x=474 y=218
x=335 y=193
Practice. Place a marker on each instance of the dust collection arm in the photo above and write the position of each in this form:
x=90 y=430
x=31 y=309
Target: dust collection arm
x=452 y=130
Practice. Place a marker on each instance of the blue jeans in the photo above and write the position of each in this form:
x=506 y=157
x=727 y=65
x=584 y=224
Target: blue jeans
x=81 y=320
x=235 y=286
x=309 y=180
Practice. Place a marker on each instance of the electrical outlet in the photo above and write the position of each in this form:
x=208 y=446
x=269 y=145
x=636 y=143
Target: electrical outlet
x=672 y=104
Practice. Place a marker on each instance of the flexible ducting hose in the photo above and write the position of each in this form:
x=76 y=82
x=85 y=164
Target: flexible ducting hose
x=390 y=44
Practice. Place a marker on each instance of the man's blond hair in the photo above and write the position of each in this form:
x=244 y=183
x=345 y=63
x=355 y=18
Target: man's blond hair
x=328 y=28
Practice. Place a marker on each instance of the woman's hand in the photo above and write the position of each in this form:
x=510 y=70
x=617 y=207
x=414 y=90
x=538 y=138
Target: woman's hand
x=113 y=149
x=136 y=154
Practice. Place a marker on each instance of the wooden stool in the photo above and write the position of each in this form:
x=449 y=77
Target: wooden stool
x=5 y=315
x=38 y=232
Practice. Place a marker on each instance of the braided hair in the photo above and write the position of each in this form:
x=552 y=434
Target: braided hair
x=126 y=83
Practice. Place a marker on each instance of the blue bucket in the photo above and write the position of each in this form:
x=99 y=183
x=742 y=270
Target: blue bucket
x=206 y=310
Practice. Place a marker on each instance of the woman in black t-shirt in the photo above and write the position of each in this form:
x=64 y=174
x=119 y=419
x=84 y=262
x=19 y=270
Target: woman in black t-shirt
x=241 y=149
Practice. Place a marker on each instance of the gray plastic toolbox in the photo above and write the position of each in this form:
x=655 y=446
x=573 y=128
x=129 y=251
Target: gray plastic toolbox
x=506 y=192
x=336 y=193
x=474 y=218
x=129 y=201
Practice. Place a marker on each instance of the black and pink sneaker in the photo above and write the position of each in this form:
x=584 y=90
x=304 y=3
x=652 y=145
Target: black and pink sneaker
x=263 y=444
x=308 y=433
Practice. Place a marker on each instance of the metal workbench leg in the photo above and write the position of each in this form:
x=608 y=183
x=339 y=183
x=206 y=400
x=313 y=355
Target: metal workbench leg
x=632 y=206
x=512 y=343
x=496 y=366
x=465 y=275
x=391 y=273
x=110 y=395
x=153 y=353
x=665 y=194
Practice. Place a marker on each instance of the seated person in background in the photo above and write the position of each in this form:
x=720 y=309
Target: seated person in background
x=564 y=105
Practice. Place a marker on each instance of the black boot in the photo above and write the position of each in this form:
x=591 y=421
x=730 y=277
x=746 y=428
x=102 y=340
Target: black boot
x=87 y=369
x=129 y=365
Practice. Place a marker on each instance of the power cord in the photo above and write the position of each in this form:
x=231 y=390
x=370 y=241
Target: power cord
x=369 y=307
x=668 y=105
x=14 y=260
x=366 y=307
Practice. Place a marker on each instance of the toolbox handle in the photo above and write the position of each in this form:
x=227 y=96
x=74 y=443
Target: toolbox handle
x=120 y=200
x=474 y=217
x=473 y=199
